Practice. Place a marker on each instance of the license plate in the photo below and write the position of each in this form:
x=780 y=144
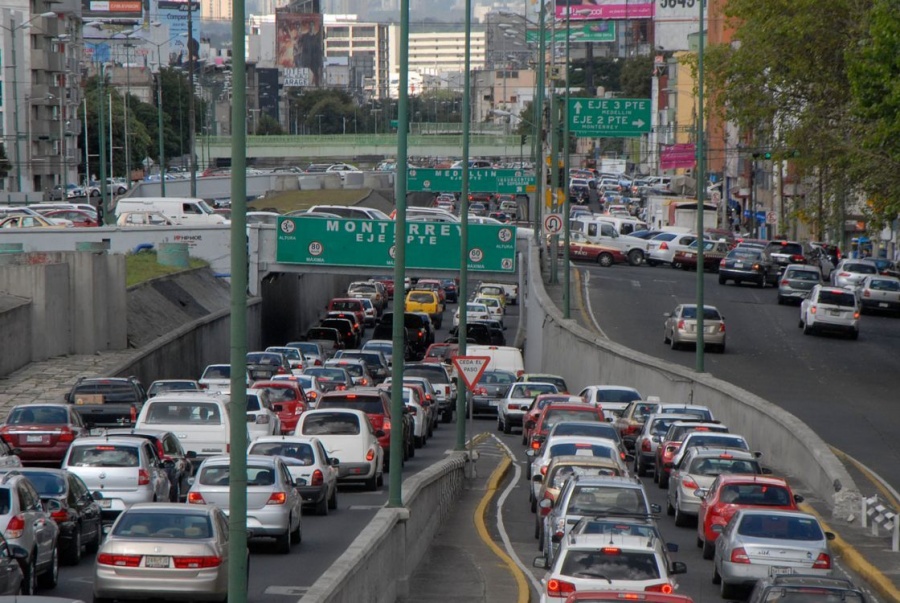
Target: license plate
x=105 y=503
x=156 y=561
x=880 y=305
x=835 y=312
x=739 y=264
x=780 y=571
x=493 y=403
x=37 y=439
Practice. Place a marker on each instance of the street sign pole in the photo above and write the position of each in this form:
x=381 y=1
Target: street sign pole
x=701 y=188
x=566 y=271
x=538 y=117
x=554 y=150
x=464 y=234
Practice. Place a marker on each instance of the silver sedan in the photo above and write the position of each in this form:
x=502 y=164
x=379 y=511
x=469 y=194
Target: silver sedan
x=681 y=327
x=759 y=543
x=168 y=550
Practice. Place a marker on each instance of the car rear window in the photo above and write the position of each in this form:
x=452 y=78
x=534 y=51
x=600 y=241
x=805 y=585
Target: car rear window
x=156 y=524
x=46 y=484
x=591 y=430
x=111 y=392
x=327 y=374
x=660 y=427
x=217 y=372
x=355 y=370
x=745 y=254
x=802 y=275
x=581 y=449
x=348 y=306
x=557 y=478
x=884 y=285
x=611 y=563
x=837 y=298
x=700 y=413
x=421 y=297
x=552 y=416
x=4 y=501
x=708 y=313
x=331 y=423
x=277 y=394
x=723 y=464
x=293 y=453
x=717 y=441
x=755 y=494
x=617 y=395
x=106 y=455
x=184 y=412
x=371 y=405
x=264 y=359
x=591 y=500
x=780 y=527
x=324 y=334
x=42 y=415
x=496 y=378
x=435 y=375
x=220 y=475
x=786 y=248
x=860 y=268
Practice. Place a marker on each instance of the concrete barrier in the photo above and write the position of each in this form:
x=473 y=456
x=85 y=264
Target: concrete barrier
x=559 y=346
x=377 y=565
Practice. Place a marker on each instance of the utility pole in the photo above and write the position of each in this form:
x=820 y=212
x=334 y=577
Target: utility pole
x=566 y=228
x=192 y=118
x=701 y=189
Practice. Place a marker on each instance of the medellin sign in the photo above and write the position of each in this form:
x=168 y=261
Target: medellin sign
x=370 y=243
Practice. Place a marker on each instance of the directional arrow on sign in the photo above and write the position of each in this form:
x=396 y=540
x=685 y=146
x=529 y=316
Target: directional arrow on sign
x=639 y=123
x=577 y=108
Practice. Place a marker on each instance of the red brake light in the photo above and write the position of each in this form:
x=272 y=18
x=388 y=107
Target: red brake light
x=196 y=562
x=680 y=324
x=143 y=477
x=66 y=435
x=195 y=498
x=317 y=478
x=645 y=446
x=370 y=455
x=823 y=561
x=867 y=293
x=15 y=528
x=812 y=309
x=61 y=515
x=277 y=498
x=536 y=445
x=544 y=470
x=722 y=262
x=785 y=282
x=739 y=555
x=119 y=560
x=663 y=246
x=660 y=588
x=687 y=482
x=559 y=588
x=610 y=550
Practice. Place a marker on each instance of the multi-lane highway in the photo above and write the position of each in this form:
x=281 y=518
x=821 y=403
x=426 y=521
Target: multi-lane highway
x=844 y=390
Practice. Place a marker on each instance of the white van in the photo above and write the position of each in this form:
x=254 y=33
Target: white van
x=181 y=210
x=603 y=231
x=503 y=358
x=625 y=226
x=347 y=435
x=200 y=421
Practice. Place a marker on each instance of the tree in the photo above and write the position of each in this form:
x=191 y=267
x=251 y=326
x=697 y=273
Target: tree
x=268 y=126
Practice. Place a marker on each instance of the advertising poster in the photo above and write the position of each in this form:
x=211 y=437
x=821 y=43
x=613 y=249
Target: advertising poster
x=300 y=48
x=174 y=15
x=112 y=9
x=592 y=10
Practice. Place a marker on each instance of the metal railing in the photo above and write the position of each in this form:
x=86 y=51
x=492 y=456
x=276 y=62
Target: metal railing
x=366 y=140
x=878 y=515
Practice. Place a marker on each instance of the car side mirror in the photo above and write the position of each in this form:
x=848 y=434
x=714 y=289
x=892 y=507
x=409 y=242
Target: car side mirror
x=700 y=492
x=546 y=504
x=678 y=567
x=671 y=547
x=379 y=433
x=798 y=498
x=299 y=481
x=525 y=407
x=758 y=454
x=655 y=508
x=529 y=453
x=537 y=478
x=667 y=314
x=765 y=471
x=334 y=462
x=191 y=454
x=17 y=552
x=829 y=536
x=51 y=505
x=540 y=562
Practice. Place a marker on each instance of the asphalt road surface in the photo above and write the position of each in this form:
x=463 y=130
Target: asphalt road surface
x=847 y=391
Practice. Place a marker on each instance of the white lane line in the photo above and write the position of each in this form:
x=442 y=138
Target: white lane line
x=587 y=303
x=500 y=527
x=636 y=284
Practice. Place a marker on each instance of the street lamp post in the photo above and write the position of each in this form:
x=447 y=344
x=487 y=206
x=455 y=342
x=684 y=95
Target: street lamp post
x=159 y=112
x=319 y=117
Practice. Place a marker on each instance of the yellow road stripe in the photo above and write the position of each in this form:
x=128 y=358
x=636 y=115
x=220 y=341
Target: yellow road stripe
x=494 y=483
x=869 y=476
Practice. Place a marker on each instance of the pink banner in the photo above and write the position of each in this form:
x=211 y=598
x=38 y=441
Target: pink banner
x=582 y=10
x=678 y=156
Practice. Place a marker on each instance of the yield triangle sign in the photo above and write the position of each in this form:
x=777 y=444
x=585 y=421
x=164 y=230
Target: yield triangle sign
x=470 y=368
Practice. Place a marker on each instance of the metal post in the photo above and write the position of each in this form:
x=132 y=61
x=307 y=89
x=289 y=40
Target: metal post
x=125 y=111
x=567 y=302
x=539 y=128
x=15 y=91
x=192 y=118
x=87 y=155
x=701 y=189
x=464 y=235
x=863 y=516
x=395 y=493
x=554 y=153
x=237 y=496
x=62 y=146
x=104 y=209
x=159 y=125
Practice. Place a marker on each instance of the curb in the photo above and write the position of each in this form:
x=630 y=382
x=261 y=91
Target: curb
x=493 y=483
x=856 y=562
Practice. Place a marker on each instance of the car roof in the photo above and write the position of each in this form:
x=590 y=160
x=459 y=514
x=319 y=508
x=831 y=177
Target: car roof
x=730 y=478
x=101 y=440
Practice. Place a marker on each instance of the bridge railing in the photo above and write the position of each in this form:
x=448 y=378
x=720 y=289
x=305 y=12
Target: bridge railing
x=366 y=140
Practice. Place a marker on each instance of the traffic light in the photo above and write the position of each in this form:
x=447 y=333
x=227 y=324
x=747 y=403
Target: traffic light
x=524 y=139
x=765 y=155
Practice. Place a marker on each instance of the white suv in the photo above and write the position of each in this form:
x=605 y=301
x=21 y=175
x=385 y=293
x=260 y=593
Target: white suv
x=30 y=532
x=830 y=309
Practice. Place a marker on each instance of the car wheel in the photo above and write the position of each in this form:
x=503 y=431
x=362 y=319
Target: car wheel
x=297 y=534
x=322 y=506
x=854 y=335
x=419 y=441
x=716 y=578
x=635 y=257
x=728 y=591
x=332 y=501
x=722 y=280
x=780 y=300
x=666 y=340
x=94 y=545
x=670 y=510
x=533 y=509
x=524 y=438
x=652 y=263
x=709 y=550
x=371 y=484
x=681 y=520
x=380 y=481
x=807 y=329
x=506 y=428
x=663 y=480
x=537 y=528
x=283 y=543
x=29 y=577
x=675 y=345
x=175 y=492
x=499 y=424
x=605 y=260
x=50 y=577
x=73 y=553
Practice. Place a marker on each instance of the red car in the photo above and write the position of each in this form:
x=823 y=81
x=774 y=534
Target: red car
x=537 y=407
x=76 y=216
x=670 y=444
x=582 y=248
x=440 y=352
x=42 y=432
x=731 y=492
x=598 y=596
x=348 y=304
x=288 y=401
x=388 y=283
x=573 y=409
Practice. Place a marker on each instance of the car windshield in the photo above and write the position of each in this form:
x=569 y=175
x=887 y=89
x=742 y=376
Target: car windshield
x=218 y=371
x=756 y=494
x=860 y=268
x=38 y=415
x=107 y=455
x=328 y=374
x=592 y=500
x=160 y=524
x=46 y=483
x=780 y=527
x=331 y=423
x=530 y=390
x=581 y=449
x=293 y=453
x=837 y=298
x=690 y=312
x=183 y=412
x=722 y=464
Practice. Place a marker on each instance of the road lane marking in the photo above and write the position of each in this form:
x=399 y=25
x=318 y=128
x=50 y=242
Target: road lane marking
x=290 y=591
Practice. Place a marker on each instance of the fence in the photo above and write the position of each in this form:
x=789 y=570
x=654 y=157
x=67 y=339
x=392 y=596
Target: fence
x=879 y=515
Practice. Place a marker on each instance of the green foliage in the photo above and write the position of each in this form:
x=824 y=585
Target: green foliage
x=4 y=162
x=268 y=126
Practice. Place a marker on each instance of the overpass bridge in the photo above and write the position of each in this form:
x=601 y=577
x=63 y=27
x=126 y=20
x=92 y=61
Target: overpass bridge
x=280 y=150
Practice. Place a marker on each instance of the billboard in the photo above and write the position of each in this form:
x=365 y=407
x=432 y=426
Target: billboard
x=300 y=48
x=174 y=15
x=592 y=10
x=595 y=31
x=112 y=9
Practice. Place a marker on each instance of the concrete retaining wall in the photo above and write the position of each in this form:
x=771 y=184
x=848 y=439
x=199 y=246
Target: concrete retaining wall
x=15 y=333
x=563 y=347
x=377 y=565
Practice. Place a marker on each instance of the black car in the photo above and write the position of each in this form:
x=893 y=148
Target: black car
x=328 y=338
x=72 y=507
x=350 y=338
x=489 y=390
x=477 y=332
x=178 y=464
x=107 y=401
x=748 y=264
x=496 y=328
x=419 y=331
x=331 y=378
x=451 y=291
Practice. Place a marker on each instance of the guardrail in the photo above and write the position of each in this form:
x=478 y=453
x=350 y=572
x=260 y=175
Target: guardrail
x=879 y=515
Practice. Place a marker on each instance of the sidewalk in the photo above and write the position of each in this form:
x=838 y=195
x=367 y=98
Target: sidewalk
x=460 y=565
x=869 y=557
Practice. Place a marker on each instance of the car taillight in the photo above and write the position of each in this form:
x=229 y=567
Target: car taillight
x=812 y=309
x=196 y=562
x=739 y=555
x=364 y=381
x=721 y=327
x=663 y=246
x=660 y=588
x=195 y=498
x=341 y=387
x=15 y=528
x=119 y=560
x=823 y=561
x=785 y=283
x=688 y=482
x=798 y=259
x=386 y=426
x=480 y=391
x=60 y=515
x=630 y=430
x=133 y=414
x=143 y=478
x=281 y=370
x=535 y=445
x=277 y=498
x=722 y=263
x=559 y=588
x=66 y=435
x=298 y=409
x=160 y=451
x=318 y=362
x=370 y=455
x=645 y=446
x=317 y=478
x=856 y=315
x=204 y=386
x=680 y=325
x=412 y=410
x=544 y=470
x=867 y=293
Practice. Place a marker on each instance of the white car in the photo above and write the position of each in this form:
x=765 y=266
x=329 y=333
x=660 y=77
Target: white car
x=566 y=445
x=473 y=312
x=347 y=434
x=512 y=408
x=307 y=461
x=421 y=418
x=261 y=419
x=493 y=305
x=661 y=248
x=830 y=309
x=611 y=398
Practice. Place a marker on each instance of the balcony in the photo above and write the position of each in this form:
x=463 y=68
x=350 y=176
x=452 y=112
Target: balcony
x=44 y=129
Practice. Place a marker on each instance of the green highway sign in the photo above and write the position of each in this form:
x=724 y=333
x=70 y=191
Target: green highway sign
x=370 y=244
x=482 y=180
x=609 y=117
x=594 y=31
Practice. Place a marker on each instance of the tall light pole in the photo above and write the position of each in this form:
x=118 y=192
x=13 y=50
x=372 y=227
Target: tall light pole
x=104 y=214
x=701 y=188
x=566 y=230
x=192 y=117
x=319 y=117
x=159 y=113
